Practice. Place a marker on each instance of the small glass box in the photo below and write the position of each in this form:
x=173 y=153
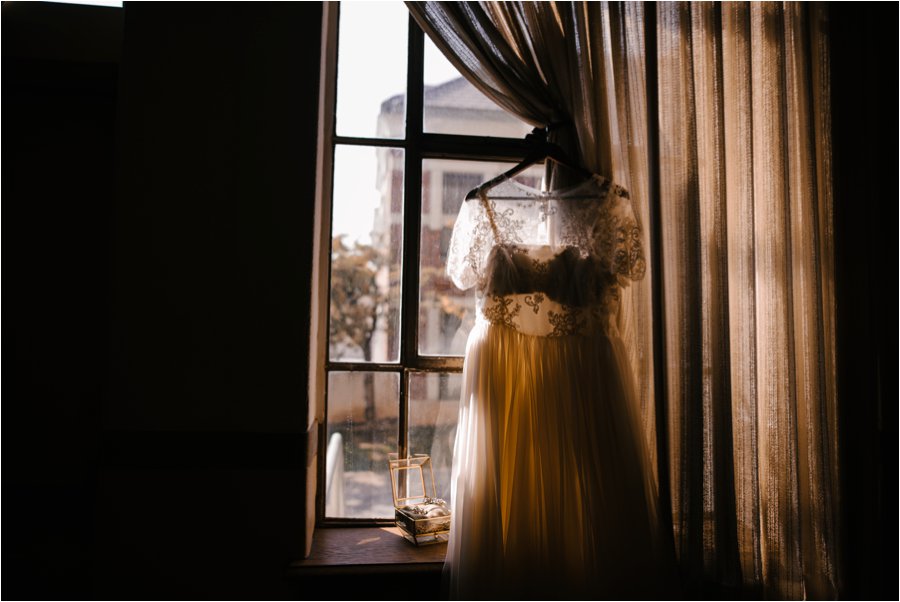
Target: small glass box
x=422 y=517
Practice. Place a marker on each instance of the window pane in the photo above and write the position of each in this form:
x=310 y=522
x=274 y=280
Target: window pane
x=371 y=70
x=363 y=428
x=433 y=408
x=367 y=241
x=446 y=314
x=454 y=106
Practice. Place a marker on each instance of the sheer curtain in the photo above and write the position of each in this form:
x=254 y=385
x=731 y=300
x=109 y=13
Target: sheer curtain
x=746 y=247
x=748 y=292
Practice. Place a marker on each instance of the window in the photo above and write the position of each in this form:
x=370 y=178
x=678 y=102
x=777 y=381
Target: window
x=405 y=137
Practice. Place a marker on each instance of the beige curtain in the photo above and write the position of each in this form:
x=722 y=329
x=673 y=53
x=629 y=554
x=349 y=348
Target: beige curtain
x=748 y=292
x=746 y=272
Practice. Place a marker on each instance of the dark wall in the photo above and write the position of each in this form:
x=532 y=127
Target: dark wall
x=864 y=45
x=212 y=231
x=158 y=169
x=60 y=66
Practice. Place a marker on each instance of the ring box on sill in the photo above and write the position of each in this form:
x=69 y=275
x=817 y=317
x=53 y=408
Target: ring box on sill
x=422 y=517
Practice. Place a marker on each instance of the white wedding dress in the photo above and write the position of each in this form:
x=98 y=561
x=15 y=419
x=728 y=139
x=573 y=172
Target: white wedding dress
x=551 y=489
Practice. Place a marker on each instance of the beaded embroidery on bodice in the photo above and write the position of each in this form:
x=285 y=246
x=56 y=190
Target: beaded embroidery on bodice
x=547 y=264
x=542 y=292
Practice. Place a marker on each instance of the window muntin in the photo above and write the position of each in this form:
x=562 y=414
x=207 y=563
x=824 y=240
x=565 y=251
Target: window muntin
x=397 y=327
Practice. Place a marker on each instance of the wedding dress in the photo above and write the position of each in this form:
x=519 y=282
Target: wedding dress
x=551 y=488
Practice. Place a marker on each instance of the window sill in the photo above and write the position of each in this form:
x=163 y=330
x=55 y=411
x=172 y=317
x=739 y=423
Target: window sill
x=363 y=550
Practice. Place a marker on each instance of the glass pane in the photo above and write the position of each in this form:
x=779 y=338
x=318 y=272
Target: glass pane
x=454 y=106
x=371 y=70
x=366 y=246
x=433 y=408
x=447 y=314
x=363 y=428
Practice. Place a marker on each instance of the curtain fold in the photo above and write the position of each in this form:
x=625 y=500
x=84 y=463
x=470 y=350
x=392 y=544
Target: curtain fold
x=745 y=214
x=747 y=282
x=549 y=63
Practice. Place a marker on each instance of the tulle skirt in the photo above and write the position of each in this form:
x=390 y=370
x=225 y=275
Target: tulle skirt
x=551 y=488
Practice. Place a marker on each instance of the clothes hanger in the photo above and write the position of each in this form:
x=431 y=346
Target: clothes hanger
x=540 y=150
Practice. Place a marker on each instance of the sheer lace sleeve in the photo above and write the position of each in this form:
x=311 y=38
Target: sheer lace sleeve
x=617 y=237
x=470 y=245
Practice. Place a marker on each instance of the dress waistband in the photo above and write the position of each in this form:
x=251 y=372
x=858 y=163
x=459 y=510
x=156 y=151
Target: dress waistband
x=536 y=315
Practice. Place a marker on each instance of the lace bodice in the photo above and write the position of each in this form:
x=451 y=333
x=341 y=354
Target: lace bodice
x=547 y=264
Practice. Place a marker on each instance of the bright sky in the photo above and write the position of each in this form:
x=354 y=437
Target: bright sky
x=371 y=68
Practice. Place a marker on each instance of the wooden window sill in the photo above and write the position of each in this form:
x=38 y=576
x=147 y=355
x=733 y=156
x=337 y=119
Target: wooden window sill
x=367 y=550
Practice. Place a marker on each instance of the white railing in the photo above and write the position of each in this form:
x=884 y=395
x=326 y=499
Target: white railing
x=334 y=476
